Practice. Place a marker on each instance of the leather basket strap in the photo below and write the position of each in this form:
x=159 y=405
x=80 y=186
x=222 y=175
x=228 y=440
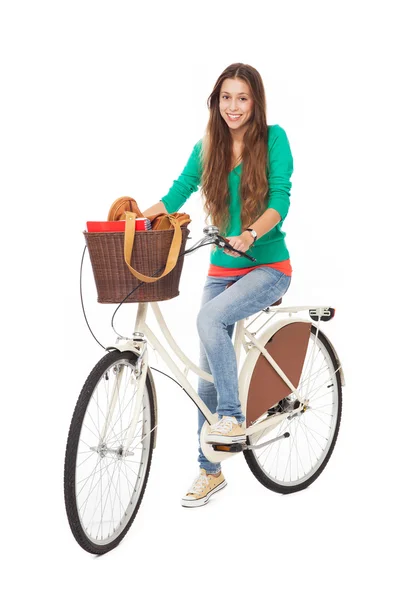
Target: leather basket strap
x=173 y=251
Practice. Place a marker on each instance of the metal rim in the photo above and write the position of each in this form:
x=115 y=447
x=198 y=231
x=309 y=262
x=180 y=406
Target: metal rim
x=108 y=484
x=311 y=431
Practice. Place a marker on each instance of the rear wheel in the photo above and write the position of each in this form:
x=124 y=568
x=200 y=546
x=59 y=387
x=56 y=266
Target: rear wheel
x=294 y=462
x=103 y=484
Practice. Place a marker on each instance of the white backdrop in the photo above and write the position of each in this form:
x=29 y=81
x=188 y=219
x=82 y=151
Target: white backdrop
x=101 y=100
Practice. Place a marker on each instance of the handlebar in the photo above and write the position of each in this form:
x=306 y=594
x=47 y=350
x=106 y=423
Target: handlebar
x=212 y=237
x=213 y=232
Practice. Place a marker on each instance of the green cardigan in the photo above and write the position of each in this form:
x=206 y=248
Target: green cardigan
x=269 y=248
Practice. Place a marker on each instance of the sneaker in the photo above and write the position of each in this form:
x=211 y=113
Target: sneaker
x=226 y=431
x=203 y=487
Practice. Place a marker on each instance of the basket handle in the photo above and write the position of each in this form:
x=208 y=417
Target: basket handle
x=173 y=251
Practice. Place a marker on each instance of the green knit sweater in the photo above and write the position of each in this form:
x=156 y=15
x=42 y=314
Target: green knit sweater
x=270 y=247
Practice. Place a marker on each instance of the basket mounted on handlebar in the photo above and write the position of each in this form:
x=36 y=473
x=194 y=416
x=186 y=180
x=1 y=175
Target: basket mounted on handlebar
x=122 y=260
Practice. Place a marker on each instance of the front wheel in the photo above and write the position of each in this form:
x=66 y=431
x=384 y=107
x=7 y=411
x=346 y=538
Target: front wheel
x=294 y=462
x=104 y=481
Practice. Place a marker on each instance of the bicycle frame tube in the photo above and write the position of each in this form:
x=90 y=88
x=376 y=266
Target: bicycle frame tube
x=142 y=327
x=239 y=341
x=185 y=359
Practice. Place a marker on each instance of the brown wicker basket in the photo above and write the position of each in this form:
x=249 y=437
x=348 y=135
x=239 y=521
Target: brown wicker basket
x=150 y=252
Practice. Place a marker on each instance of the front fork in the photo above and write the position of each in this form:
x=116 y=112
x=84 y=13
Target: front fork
x=139 y=375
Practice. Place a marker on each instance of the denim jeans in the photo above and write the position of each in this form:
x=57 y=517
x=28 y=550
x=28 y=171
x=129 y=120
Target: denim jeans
x=220 y=309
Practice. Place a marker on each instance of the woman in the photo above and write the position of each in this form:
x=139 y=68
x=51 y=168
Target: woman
x=244 y=169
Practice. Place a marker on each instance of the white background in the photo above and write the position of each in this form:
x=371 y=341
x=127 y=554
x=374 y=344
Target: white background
x=104 y=99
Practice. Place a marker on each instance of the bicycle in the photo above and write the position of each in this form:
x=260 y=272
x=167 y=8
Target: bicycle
x=290 y=389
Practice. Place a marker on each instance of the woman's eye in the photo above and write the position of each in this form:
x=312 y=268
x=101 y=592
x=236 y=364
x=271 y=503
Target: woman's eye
x=223 y=97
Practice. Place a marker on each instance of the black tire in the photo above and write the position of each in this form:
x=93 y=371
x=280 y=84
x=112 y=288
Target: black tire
x=252 y=461
x=72 y=447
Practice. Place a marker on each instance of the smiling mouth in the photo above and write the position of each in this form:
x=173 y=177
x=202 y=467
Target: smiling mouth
x=234 y=117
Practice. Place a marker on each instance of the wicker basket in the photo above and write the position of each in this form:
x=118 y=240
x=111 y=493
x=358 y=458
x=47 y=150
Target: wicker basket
x=150 y=252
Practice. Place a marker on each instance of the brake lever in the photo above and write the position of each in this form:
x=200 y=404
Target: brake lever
x=225 y=244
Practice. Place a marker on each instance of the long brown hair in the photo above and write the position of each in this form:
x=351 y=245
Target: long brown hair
x=216 y=154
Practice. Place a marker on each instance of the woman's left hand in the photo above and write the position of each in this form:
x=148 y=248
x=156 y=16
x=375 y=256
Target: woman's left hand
x=240 y=242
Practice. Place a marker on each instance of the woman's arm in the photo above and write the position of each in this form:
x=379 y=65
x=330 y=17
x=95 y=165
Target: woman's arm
x=264 y=224
x=155 y=209
x=182 y=188
x=281 y=170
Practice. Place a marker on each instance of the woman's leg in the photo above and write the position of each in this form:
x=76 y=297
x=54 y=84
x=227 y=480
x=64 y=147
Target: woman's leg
x=248 y=295
x=206 y=389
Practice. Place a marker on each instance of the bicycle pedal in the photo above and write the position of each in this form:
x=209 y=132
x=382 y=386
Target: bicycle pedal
x=236 y=447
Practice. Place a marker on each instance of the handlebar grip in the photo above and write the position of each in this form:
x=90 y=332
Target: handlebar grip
x=227 y=245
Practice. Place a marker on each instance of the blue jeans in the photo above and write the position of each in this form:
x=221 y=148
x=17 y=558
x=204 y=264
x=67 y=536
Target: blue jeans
x=220 y=309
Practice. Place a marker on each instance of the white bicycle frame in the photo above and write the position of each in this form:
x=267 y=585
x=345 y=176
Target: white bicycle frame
x=143 y=334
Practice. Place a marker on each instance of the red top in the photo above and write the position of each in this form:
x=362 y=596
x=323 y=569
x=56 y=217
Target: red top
x=283 y=265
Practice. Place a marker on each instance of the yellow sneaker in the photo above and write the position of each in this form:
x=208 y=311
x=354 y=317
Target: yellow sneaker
x=203 y=487
x=226 y=431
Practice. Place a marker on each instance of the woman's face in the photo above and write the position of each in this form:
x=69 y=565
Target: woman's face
x=235 y=99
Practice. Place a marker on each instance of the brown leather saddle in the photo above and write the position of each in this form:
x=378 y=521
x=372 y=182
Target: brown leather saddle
x=274 y=304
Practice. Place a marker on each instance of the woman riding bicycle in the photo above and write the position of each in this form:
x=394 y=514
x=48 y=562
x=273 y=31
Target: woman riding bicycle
x=243 y=167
